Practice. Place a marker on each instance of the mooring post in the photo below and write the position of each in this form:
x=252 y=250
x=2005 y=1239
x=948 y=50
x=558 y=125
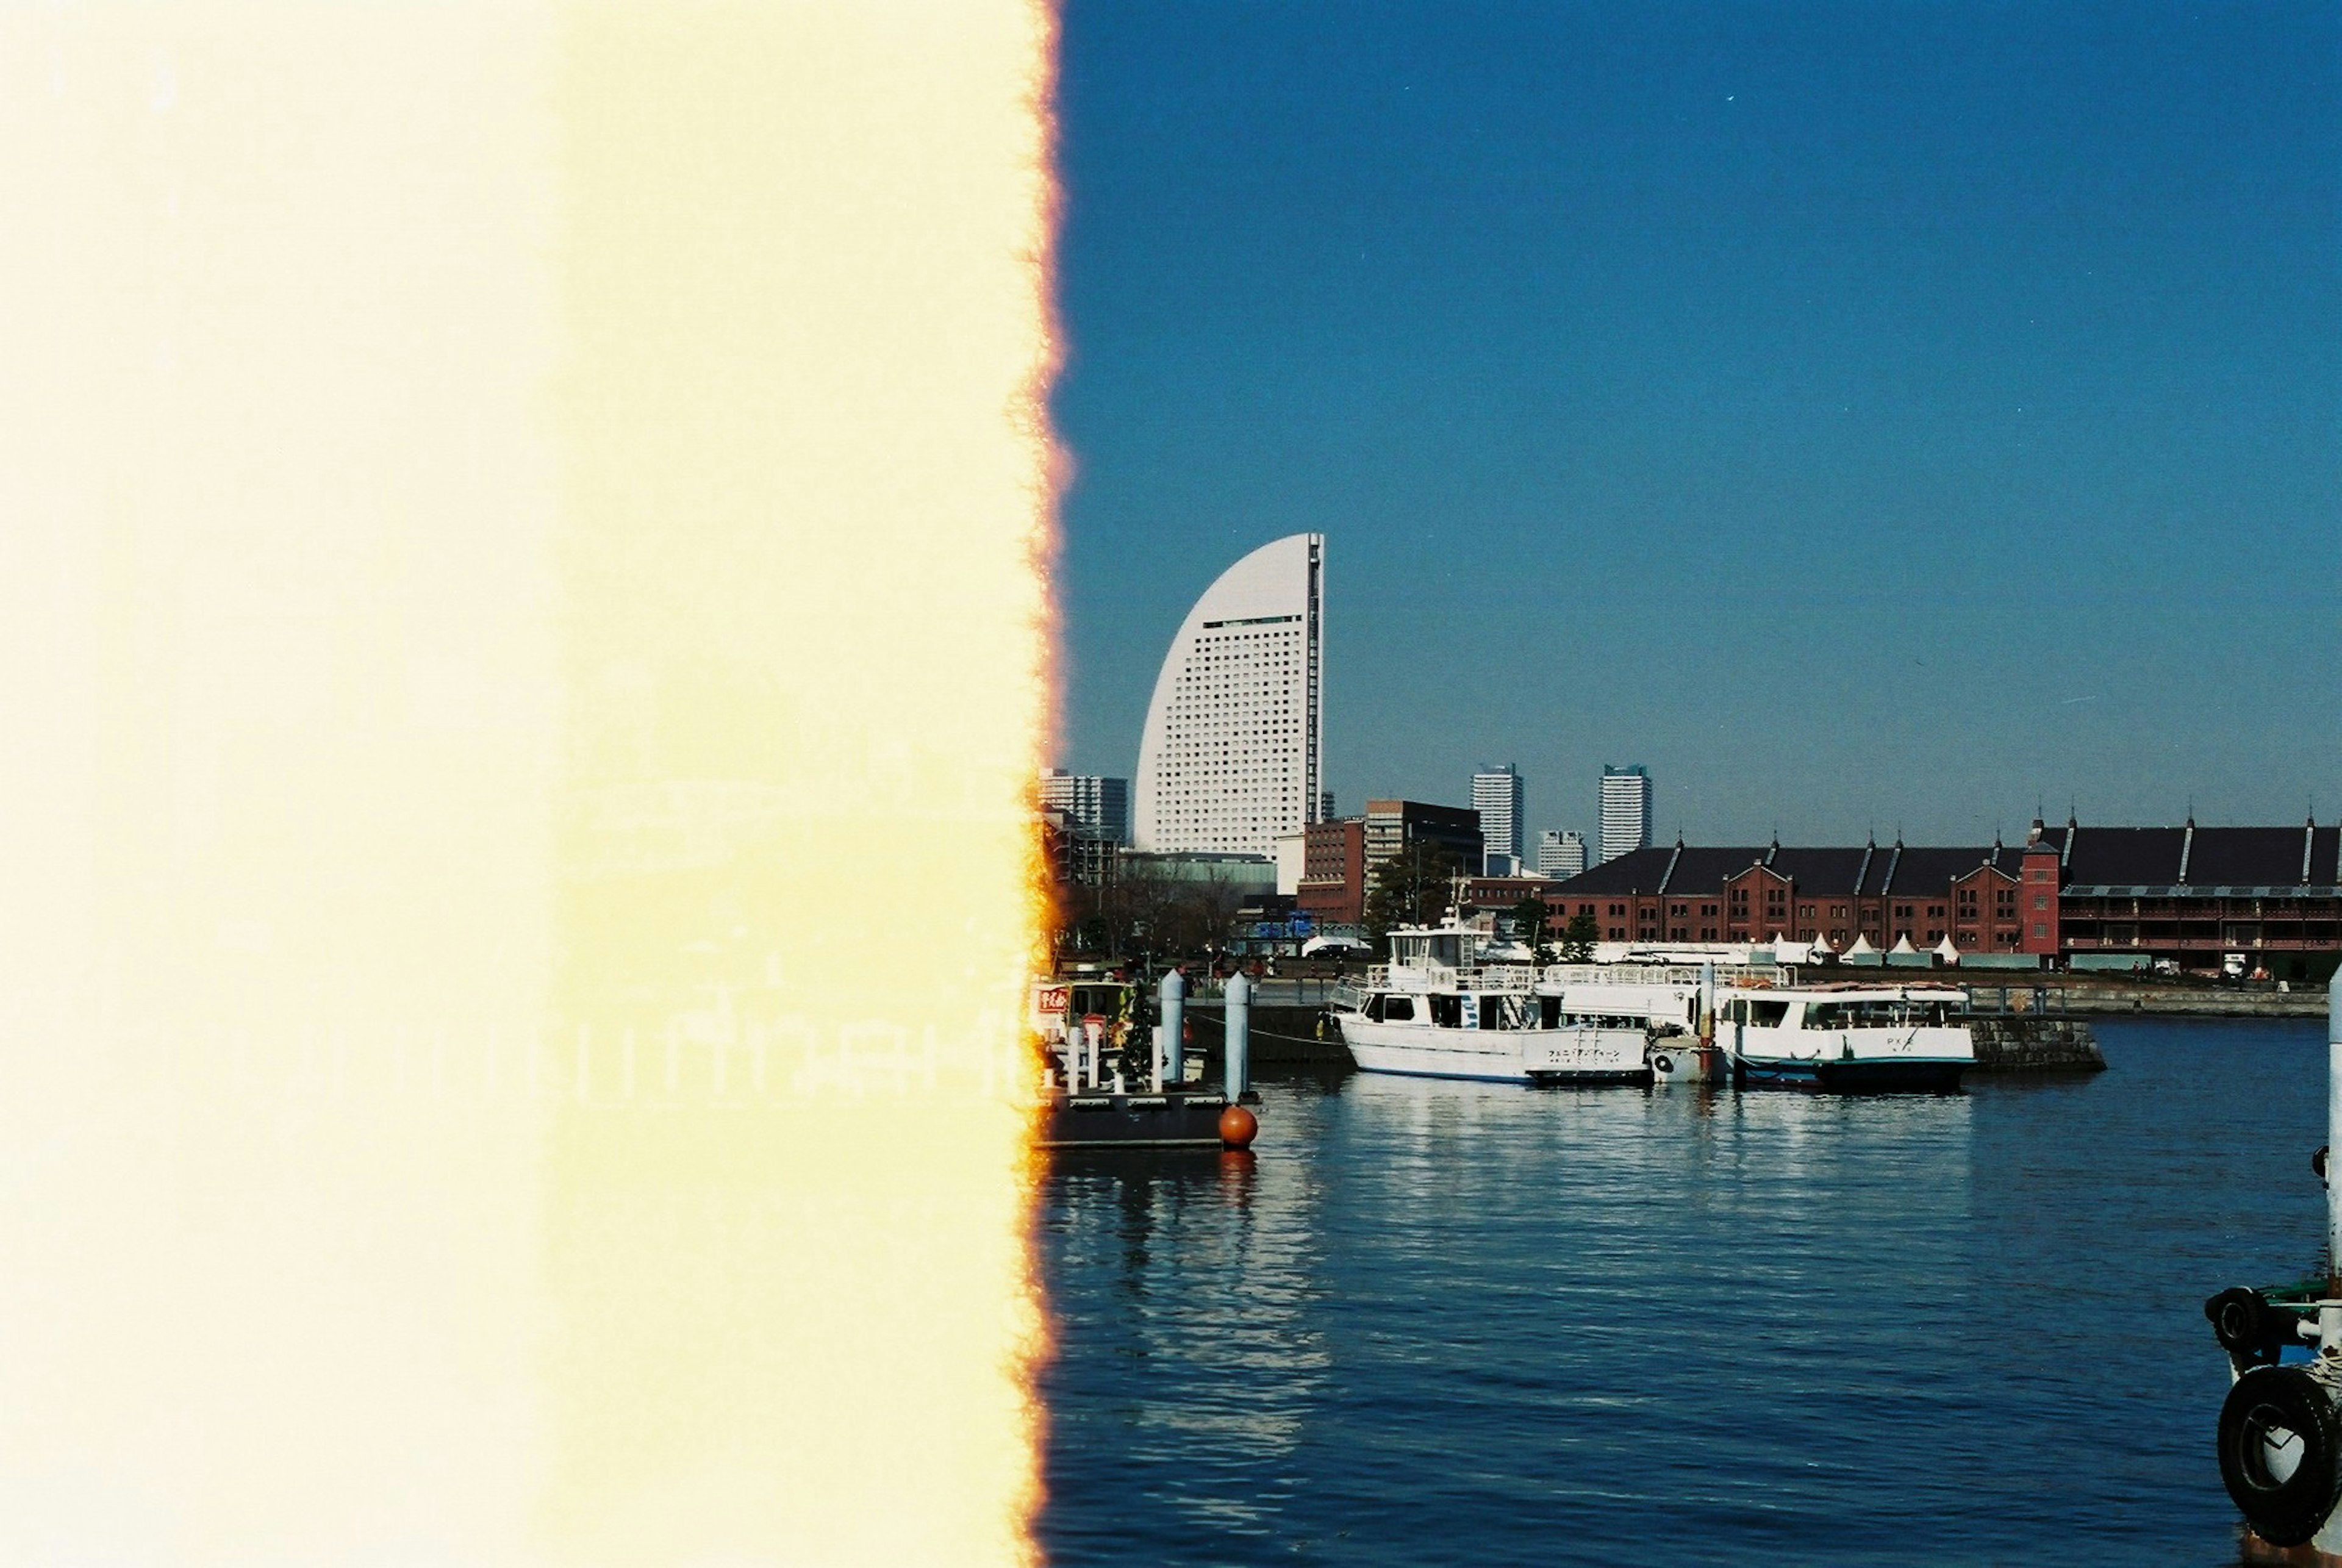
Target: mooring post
x=2329 y=1322
x=1172 y=1007
x=1238 y=1072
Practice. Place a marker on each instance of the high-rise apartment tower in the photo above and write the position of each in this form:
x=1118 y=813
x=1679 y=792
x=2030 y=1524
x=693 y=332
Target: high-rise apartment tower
x=1626 y=811
x=1496 y=795
x=1100 y=804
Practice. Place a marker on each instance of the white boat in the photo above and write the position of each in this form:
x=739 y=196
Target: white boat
x=1662 y=1003
x=1436 y=1011
x=1848 y=1037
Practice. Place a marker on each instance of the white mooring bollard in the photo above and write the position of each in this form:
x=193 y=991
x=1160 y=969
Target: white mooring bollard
x=1174 y=1004
x=1238 y=1074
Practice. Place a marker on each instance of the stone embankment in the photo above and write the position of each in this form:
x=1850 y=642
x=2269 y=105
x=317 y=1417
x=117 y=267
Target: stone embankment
x=2033 y=1043
x=2184 y=1001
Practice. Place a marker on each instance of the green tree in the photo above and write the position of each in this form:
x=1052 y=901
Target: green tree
x=1578 y=937
x=1528 y=918
x=1408 y=889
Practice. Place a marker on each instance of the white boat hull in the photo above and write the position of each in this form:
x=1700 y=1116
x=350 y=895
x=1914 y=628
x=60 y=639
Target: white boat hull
x=1889 y=1058
x=1497 y=1055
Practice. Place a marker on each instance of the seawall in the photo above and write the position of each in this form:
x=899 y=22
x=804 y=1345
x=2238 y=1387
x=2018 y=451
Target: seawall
x=2036 y=1044
x=2186 y=1001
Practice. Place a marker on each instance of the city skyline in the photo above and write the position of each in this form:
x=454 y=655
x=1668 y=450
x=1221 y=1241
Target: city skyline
x=1868 y=419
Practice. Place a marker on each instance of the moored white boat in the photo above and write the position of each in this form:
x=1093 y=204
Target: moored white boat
x=1434 y=1012
x=1851 y=1038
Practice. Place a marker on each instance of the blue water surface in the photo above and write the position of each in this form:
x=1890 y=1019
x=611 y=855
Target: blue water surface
x=1441 y=1323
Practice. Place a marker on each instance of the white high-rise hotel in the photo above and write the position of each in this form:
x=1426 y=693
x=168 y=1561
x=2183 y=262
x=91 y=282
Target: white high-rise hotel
x=1231 y=755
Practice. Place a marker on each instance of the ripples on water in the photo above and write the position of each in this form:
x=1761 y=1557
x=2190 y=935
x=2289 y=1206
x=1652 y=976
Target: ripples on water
x=1440 y=1322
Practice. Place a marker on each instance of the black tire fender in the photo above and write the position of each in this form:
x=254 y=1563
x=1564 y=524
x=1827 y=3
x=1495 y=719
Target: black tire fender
x=1663 y=1063
x=2277 y=1417
x=2246 y=1326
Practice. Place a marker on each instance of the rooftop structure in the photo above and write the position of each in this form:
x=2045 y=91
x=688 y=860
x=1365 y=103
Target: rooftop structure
x=1231 y=755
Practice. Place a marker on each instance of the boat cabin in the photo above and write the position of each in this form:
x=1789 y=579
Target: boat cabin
x=1889 y=1008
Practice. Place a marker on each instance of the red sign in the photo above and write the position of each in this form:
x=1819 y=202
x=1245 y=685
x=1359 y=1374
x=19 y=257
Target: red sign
x=1054 y=998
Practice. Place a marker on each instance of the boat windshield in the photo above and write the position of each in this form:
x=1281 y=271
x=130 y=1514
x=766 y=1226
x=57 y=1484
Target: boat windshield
x=1429 y=948
x=1879 y=1013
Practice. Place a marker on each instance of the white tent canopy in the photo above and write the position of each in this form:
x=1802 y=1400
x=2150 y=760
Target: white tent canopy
x=1317 y=944
x=1947 y=951
x=1903 y=948
x=1861 y=948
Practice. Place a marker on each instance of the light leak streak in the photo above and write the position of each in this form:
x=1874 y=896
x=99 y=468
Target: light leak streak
x=522 y=625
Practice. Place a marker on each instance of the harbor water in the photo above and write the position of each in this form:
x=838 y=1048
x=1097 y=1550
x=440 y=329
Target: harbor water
x=1432 y=1322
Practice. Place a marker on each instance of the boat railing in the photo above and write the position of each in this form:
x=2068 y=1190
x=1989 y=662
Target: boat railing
x=1494 y=979
x=1734 y=974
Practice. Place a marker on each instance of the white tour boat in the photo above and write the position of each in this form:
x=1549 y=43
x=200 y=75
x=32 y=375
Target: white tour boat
x=1663 y=1004
x=1435 y=1011
x=1848 y=1037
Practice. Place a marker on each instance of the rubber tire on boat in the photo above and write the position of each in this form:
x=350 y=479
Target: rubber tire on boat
x=1663 y=1063
x=2246 y=1326
x=2283 y=1512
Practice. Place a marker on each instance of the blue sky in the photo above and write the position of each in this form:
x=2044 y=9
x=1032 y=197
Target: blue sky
x=1865 y=415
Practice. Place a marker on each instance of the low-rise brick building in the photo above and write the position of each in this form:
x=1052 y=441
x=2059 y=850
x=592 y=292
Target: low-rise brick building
x=1683 y=893
x=2188 y=896
x=2193 y=896
x=1333 y=887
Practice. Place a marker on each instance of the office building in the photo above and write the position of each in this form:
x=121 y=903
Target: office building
x=1392 y=825
x=1626 y=811
x=1496 y=795
x=1230 y=756
x=1100 y=804
x=1333 y=886
x=1560 y=854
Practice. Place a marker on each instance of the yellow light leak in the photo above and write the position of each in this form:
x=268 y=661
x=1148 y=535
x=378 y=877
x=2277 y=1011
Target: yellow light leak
x=521 y=621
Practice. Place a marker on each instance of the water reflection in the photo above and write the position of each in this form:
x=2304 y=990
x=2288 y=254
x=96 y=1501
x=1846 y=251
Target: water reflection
x=1201 y=1267
x=1434 y=1321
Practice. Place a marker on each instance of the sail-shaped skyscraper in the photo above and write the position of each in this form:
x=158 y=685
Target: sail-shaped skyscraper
x=1233 y=751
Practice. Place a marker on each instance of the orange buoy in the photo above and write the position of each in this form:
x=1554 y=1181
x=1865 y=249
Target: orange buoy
x=1238 y=1126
